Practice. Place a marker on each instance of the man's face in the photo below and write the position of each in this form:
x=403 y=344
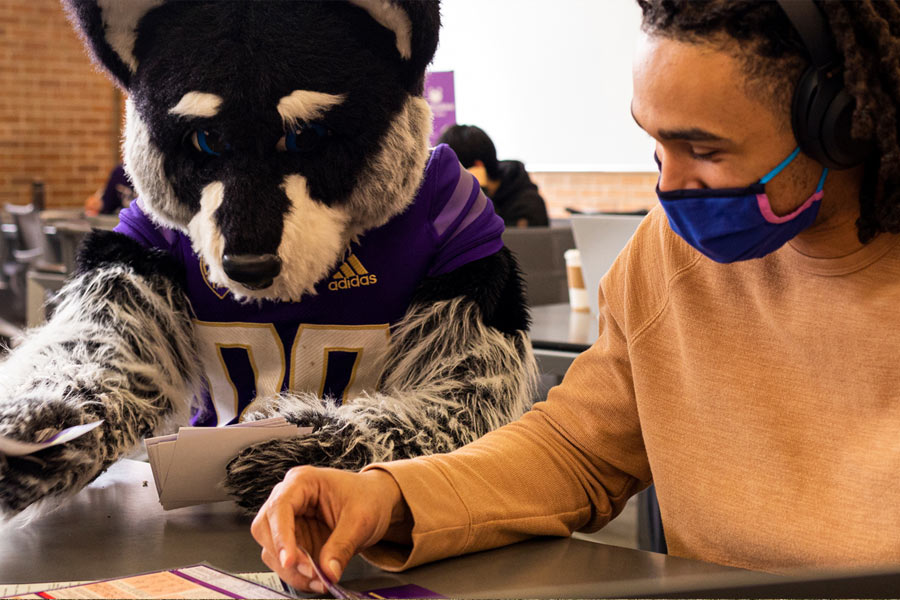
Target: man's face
x=693 y=100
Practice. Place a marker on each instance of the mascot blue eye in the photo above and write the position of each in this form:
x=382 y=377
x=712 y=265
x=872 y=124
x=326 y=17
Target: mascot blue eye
x=209 y=142
x=303 y=139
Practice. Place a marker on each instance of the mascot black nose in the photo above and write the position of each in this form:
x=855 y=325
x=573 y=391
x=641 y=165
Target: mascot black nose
x=254 y=271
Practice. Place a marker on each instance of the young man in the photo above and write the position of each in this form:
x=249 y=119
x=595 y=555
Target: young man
x=747 y=364
x=506 y=182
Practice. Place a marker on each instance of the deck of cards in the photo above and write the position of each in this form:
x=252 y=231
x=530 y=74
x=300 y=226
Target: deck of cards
x=189 y=466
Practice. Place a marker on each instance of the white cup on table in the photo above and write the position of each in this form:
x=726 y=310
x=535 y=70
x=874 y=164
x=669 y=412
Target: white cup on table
x=578 y=296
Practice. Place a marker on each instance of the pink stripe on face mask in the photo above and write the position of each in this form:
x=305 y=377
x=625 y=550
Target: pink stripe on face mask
x=765 y=208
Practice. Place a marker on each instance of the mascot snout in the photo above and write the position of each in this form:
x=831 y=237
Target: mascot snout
x=253 y=271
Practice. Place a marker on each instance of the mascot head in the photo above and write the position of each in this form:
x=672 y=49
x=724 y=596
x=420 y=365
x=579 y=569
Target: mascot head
x=271 y=132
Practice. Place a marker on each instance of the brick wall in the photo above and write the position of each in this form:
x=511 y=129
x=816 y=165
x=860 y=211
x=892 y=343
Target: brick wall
x=59 y=117
x=596 y=192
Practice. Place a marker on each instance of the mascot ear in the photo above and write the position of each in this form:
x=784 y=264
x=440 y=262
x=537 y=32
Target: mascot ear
x=415 y=24
x=109 y=30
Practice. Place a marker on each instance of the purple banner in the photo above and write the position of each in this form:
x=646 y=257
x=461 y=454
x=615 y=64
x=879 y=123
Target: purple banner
x=440 y=97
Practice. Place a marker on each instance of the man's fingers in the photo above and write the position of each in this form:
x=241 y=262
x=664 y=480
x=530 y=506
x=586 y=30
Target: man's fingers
x=284 y=540
x=291 y=577
x=260 y=528
x=352 y=532
x=330 y=514
x=289 y=498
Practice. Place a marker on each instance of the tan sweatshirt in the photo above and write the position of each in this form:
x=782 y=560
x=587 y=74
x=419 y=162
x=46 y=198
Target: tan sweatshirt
x=762 y=398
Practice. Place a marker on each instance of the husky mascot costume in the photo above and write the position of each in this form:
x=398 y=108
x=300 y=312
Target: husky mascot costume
x=296 y=249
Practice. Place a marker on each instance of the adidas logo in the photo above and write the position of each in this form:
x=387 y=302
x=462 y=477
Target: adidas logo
x=351 y=274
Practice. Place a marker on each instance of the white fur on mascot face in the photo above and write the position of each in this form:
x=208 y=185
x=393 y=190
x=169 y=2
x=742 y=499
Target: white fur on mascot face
x=271 y=133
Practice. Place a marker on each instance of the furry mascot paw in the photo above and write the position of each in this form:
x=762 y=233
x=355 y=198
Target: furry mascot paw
x=296 y=249
x=117 y=349
x=28 y=479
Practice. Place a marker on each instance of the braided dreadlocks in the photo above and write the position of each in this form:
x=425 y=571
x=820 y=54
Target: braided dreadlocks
x=867 y=35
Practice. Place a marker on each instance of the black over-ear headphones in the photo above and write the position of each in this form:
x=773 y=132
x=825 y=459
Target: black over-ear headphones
x=822 y=110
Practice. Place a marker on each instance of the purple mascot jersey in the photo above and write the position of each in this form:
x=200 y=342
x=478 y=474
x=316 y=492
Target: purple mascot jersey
x=333 y=343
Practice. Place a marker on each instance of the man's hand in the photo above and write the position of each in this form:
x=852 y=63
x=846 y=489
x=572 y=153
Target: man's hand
x=330 y=513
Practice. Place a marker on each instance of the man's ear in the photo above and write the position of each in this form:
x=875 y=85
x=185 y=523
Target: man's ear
x=108 y=29
x=415 y=24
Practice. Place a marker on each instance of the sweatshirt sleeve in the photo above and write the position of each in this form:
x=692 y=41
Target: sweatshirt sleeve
x=570 y=463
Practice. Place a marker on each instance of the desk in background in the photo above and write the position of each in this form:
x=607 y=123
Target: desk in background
x=116 y=527
x=558 y=335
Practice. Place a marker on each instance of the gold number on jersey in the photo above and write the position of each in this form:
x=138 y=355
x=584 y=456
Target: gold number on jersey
x=309 y=358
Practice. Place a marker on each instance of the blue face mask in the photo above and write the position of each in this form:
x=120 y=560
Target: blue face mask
x=729 y=225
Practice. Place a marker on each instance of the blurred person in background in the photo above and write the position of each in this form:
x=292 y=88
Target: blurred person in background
x=116 y=195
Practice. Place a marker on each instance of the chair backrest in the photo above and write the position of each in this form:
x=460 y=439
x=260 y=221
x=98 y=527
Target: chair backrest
x=37 y=244
x=29 y=230
x=540 y=252
x=33 y=243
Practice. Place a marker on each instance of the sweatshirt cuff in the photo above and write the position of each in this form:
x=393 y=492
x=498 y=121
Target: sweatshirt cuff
x=441 y=521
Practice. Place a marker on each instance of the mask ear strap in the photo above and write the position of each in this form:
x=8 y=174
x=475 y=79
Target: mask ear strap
x=781 y=166
x=822 y=180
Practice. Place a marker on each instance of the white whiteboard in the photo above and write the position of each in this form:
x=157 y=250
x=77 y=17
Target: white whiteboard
x=548 y=80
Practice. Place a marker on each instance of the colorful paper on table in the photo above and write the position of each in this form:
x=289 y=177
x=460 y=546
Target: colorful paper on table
x=11 y=447
x=266 y=579
x=196 y=581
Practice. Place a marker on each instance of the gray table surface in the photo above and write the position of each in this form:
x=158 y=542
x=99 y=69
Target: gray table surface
x=116 y=527
x=558 y=327
x=558 y=335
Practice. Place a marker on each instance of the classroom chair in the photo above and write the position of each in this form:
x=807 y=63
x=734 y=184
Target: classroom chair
x=33 y=246
x=37 y=270
x=9 y=331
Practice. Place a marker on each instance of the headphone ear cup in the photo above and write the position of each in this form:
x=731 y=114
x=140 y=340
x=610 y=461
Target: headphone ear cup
x=838 y=144
x=803 y=108
x=822 y=118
